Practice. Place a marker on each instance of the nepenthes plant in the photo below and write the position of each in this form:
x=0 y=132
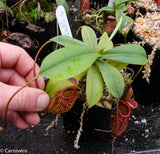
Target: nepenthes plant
x=94 y=58
x=104 y=18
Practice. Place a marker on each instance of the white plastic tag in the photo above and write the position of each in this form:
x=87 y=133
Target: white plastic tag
x=111 y=3
x=63 y=21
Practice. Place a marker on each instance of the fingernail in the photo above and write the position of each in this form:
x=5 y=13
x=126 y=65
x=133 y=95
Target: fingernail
x=42 y=101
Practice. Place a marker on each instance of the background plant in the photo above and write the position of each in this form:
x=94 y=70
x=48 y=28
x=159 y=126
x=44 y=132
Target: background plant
x=118 y=11
x=2 y=5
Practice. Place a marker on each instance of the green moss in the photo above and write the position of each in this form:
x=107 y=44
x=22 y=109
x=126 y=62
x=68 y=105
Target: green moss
x=49 y=17
x=42 y=14
x=45 y=6
x=30 y=5
x=31 y=16
x=30 y=11
x=34 y=14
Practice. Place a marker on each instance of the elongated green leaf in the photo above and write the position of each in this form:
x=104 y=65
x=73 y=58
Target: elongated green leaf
x=128 y=48
x=112 y=77
x=106 y=8
x=81 y=75
x=126 y=20
x=126 y=1
x=114 y=32
x=63 y=3
x=103 y=39
x=67 y=41
x=94 y=86
x=71 y=67
x=116 y=2
x=67 y=62
x=89 y=37
x=122 y=6
x=127 y=58
x=2 y=5
x=131 y=54
x=63 y=54
x=118 y=65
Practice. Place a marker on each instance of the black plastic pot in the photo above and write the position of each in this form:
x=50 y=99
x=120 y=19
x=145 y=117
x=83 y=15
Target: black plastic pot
x=147 y=93
x=95 y=119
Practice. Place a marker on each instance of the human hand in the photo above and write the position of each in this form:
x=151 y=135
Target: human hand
x=16 y=69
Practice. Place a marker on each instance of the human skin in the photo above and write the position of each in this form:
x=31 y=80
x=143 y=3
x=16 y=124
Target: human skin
x=16 y=69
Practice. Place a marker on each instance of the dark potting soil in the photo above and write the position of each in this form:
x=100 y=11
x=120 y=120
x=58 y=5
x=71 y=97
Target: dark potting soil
x=144 y=92
x=142 y=136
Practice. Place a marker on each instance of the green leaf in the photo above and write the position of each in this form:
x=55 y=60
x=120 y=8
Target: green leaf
x=89 y=37
x=114 y=32
x=106 y=8
x=112 y=78
x=81 y=75
x=126 y=20
x=64 y=4
x=67 y=62
x=121 y=6
x=116 y=2
x=94 y=86
x=103 y=39
x=128 y=48
x=131 y=54
x=2 y=5
x=118 y=65
x=70 y=68
x=126 y=1
x=67 y=41
x=54 y=86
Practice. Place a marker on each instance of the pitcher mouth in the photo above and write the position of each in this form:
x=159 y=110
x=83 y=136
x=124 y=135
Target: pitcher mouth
x=124 y=110
x=68 y=92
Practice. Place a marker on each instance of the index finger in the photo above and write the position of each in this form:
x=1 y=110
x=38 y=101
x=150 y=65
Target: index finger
x=12 y=56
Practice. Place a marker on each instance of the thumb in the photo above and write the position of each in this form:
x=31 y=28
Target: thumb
x=28 y=99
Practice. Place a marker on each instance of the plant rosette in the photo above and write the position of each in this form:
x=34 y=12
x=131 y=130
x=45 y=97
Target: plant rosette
x=94 y=58
x=99 y=62
x=107 y=100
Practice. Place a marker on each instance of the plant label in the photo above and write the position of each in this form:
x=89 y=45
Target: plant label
x=111 y=3
x=63 y=21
